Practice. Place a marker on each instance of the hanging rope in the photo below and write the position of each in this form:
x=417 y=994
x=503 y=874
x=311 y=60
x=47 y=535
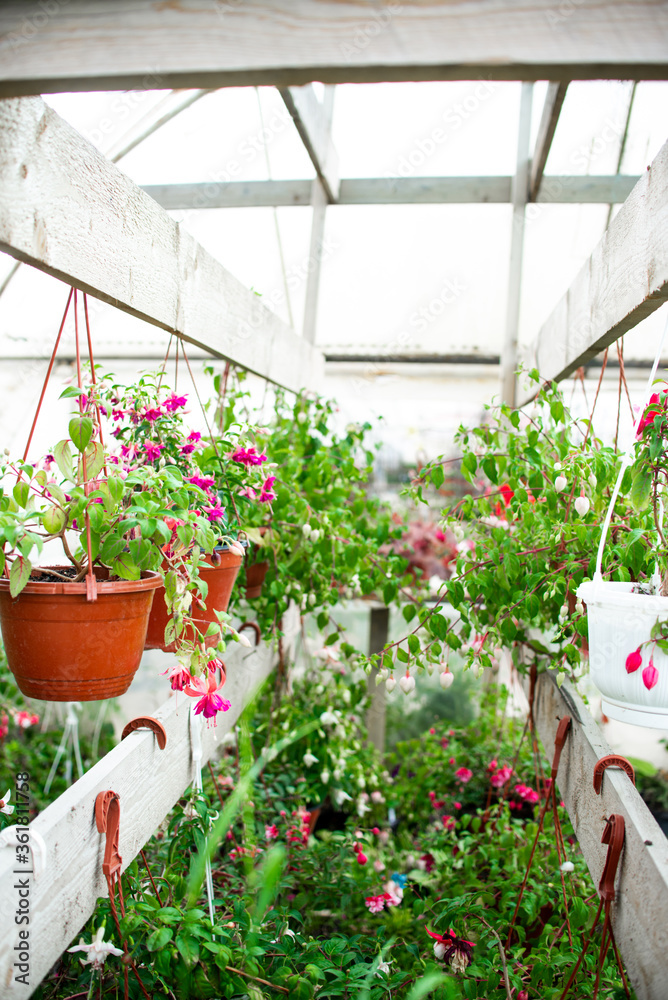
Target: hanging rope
x=197 y=756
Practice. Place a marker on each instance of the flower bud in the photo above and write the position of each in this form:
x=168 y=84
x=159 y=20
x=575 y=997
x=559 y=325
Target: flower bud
x=407 y=683
x=560 y=483
x=582 y=506
x=390 y=684
x=446 y=679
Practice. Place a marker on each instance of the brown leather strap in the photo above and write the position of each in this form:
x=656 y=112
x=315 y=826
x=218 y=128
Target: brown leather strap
x=147 y=722
x=613 y=836
x=559 y=740
x=611 y=760
x=108 y=819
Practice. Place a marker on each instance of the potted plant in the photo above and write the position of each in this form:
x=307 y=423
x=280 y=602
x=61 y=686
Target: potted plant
x=150 y=426
x=628 y=620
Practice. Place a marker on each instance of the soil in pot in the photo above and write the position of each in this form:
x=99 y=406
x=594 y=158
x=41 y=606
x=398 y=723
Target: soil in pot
x=220 y=577
x=255 y=574
x=62 y=647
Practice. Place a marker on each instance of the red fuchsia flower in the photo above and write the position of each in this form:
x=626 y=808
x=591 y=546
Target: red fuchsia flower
x=194 y=436
x=429 y=862
x=492 y=766
x=152 y=451
x=457 y=952
x=214 y=513
x=501 y=777
x=464 y=775
x=375 y=831
x=187 y=449
x=452 y=761
x=634 y=660
x=25 y=719
x=375 y=903
x=444 y=743
x=4 y=726
x=206 y=689
x=457 y=805
x=152 y=414
x=654 y=407
x=449 y=822
x=117 y=415
x=174 y=402
x=361 y=858
x=650 y=675
x=271 y=832
x=267 y=494
x=506 y=494
x=527 y=794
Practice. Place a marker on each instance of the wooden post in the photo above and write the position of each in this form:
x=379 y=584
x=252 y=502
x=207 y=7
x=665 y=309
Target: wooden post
x=520 y=193
x=378 y=628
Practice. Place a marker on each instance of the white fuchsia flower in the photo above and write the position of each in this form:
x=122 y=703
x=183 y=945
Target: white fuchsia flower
x=390 y=684
x=407 y=683
x=4 y=804
x=97 y=951
x=567 y=866
x=560 y=483
x=446 y=679
x=582 y=506
x=309 y=759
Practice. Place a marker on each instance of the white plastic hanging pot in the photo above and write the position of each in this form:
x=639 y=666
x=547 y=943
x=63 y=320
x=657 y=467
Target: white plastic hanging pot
x=619 y=622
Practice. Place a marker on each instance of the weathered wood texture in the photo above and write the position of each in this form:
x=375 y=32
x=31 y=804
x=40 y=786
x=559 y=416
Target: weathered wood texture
x=68 y=211
x=93 y=45
x=313 y=121
x=554 y=99
x=642 y=890
x=149 y=781
x=562 y=189
x=624 y=280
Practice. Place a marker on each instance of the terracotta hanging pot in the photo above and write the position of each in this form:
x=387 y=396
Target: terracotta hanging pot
x=255 y=575
x=220 y=574
x=62 y=647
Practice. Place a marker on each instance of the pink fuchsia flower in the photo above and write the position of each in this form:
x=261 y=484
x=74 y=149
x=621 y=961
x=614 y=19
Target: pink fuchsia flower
x=457 y=805
x=464 y=775
x=214 y=513
x=249 y=492
x=26 y=719
x=501 y=777
x=650 y=675
x=152 y=451
x=194 y=436
x=457 y=952
x=449 y=822
x=117 y=415
x=271 y=832
x=174 y=402
x=377 y=797
x=393 y=893
x=247 y=456
x=361 y=858
x=4 y=726
x=187 y=449
x=634 y=660
x=267 y=494
x=206 y=689
x=204 y=482
x=375 y=903
x=179 y=676
x=654 y=407
x=492 y=766
x=452 y=761
x=152 y=414
x=378 y=866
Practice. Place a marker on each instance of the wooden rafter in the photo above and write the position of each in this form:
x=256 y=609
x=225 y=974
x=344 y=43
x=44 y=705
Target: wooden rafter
x=554 y=99
x=86 y=45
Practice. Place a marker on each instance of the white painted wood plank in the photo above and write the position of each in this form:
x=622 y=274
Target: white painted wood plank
x=149 y=781
x=67 y=210
x=638 y=913
x=313 y=121
x=624 y=280
x=561 y=189
x=554 y=99
x=120 y=44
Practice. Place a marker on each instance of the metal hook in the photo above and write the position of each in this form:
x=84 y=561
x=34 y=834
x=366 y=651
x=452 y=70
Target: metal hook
x=611 y=760
x=147 y=722
x=256 y=629
x=108 y=819
x=559 y=740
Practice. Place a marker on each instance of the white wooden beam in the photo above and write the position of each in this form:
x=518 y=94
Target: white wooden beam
x=624 y=280
x=520 y=193
x=68 y=211
x=561 y=189
x=87 y=45
x=642 y=890
x=313 y=121
x=63 y=894
x=554 y=99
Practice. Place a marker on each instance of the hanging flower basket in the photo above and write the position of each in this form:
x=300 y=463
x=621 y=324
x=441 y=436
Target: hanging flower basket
x=220 y=575
x=634 y=687
x=62 y=647
x=255 y=574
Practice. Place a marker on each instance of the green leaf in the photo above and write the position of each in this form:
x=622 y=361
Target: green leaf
x=81 y=431
x=402 y=655
x=641 y=488
x=94 y=459
x=438 y=626
x=158 y=939
x=414 y=644
x=437 y=476
x=19 y=575
x=125 y=567
x=116 y=488
x=71 y=392
x=55 y=491
x=21 y=492
x=63 y=456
